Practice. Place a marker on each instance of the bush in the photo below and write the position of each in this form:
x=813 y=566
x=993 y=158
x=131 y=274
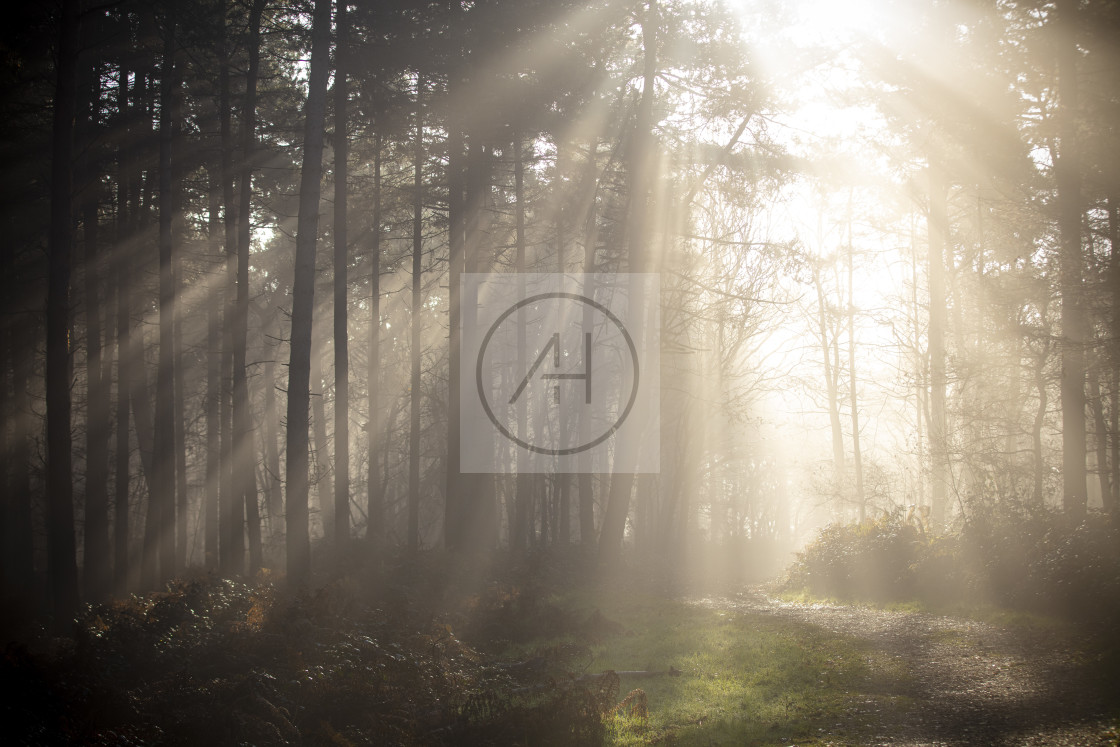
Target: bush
x=1028 y=557
x=1042 y=559
x=890 y=558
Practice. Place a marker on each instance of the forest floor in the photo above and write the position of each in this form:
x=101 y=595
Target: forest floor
x=441 y=654
x=956 y=680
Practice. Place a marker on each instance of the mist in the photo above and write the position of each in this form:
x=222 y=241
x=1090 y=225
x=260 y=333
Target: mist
x=537 y=333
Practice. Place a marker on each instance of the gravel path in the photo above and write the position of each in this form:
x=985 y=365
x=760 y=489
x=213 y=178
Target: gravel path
x=969 y=682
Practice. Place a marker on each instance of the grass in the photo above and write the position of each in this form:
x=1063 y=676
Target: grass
x=745 y=679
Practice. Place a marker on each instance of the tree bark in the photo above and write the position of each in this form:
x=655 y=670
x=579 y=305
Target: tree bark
x=413 y=532
x=640 y=158
x=938 y=227
x=244 y=459
x=830 y=380
x=62 y=566
x=853 y=392
x=270 y=418
x=231 y=503
x=375 y=508
x=124 y=346
x=303 y=294
x=341 y=338
x=1113 y=503
x=213 y=381
x=563 y=479
x=520 y=530
x=96 y=558
x=453 y=500
x=159 y=537
x=1067 y=171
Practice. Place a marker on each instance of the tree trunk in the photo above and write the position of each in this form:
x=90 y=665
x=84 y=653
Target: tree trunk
x=270 y=433
x=159 y=537
x=1067 y=172
x=586 y=486
x=453 y=499
x=1100 y=436
x=213 y=380
x=182 y=504
x=520 y=529
x=830 y=380
x=19 y=332
x=857 y=456
x=563 y=479
x=244 y=451
x=96 y=563
x=640 y=161
x=62 y=566
x=341 y=340
x=413 y=535
x=1113 y=503
x=938 y=226
x=124 y=347
x=303 y=295
x=477 y=500
x=320 y=449
x=375 y=498
x=231 y=494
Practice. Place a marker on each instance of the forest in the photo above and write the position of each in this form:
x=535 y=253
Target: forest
x=252 y=488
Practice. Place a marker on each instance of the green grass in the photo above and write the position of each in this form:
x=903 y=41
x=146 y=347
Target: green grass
x=745 y=679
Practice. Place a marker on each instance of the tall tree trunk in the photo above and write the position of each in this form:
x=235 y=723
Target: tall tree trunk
x=182 y=504
x=919 y=372
x=18 y=338
x=244 y=460
x=213 y=378
x=96 y=561
x=303 y=296
x=1067 y=171
x=586 y=486
x=453 y=499
x=341 y=336
x=62 y=565
x=520 y=530
x=270 y=434
x=477 y=495
x=1100 y=435
x=1113 y=503
x=938 y=226
x=563 y=479
x=159 y=537
x=853 y=394
x=413 y=534
x=231 y=494
x=375 y=508
x=640 y=162
x=830 y=379
x=124 y=346
x=320 y=448
x=1038 y=495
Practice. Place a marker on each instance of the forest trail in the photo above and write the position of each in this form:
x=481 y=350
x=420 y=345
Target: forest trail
x=965 y=682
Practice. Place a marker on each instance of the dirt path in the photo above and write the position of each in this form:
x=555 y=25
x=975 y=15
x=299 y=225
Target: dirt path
x=969 y=682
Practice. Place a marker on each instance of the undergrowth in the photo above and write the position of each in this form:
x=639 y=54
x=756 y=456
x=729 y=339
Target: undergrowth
x=440 y=655
x=1006 y=556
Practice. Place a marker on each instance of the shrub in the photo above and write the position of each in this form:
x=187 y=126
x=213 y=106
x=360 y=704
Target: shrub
x=1028 y=557
x=881 y=560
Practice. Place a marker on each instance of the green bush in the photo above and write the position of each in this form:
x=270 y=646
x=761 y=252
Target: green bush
x=887 y=559
x=1041 y=558
x=1028 y=557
